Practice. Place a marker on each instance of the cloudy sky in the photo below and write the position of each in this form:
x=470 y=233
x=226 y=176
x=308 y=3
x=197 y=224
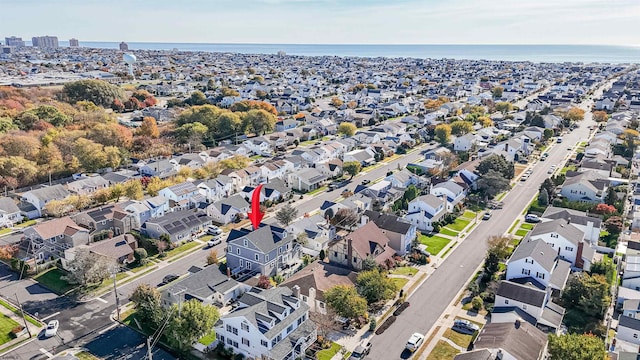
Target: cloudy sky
x=608 y=22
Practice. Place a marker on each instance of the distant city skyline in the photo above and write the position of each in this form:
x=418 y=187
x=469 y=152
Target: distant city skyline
x=604 y=22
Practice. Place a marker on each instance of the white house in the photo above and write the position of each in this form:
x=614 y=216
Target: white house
x=259 y=146
x=586 y=186
x=179 y=193
x=270 y=324
x=567 y=240
x=88 y=185
x=629 y=330
x=228 y=209
x=529 y=301
x=215 y=189
x=364 y=157
x=453 y=192
x=538 y=260
x=40 y=197
x=9 y=212
x=425 y=210
x=589 y=225
x=464 y=142
x=631 y=276
x=318 y=232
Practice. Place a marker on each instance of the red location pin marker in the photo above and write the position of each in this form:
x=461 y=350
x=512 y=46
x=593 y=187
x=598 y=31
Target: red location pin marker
x=256 y=215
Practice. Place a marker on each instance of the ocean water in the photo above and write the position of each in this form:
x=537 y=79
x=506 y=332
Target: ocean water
x=535 y=53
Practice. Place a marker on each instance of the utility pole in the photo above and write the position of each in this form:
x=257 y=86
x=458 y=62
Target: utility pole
x=115 y=290
x=23 y=317
x=149 y=353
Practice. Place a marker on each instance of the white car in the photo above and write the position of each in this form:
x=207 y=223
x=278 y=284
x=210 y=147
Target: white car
x=215 y=241
x=532 y=218
x=52 y=328
x=414 y=342
x=214 y=230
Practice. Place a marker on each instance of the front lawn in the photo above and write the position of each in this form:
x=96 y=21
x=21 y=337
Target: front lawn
x=19 y=313
x=405 y=270
x=182 y=248
x=527 y=226
x=521 y=232
x=26 y=223
x=447 y=231
x=459 y=224
x=85 y=356
x=327 y=354
x=460 y=339
x=442 y=351
x=434 y=243
x=468 y=214
x=6 y=324
x=52 y=280
x=318 y=190
x=5 y=231
x=208 y=339
x=400 y=282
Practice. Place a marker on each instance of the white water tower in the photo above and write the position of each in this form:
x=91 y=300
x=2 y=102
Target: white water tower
x=130 y=59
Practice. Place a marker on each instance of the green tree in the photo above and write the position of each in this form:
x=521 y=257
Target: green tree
x=548 y=134
x=375 y=286
x=346 y=301
x=543 y=197
x=149 y=127
x=196 y=98
x=258 y=121
x=90 y=154
x=496 y=163
x=23 y=170
x=369 y=263
x=147 y=304
x=611 y=197
x=347 y=129
x=461 y=127
x=98 y=92
x=190 y=322
x=497 y=92
x=504 y=107
x=493 y=183
x=140 y=255
x=227 y=124
x=6 y=124
x=192 y=133
x=587 y=293
x=443 y=133
x=576 y=347
x=352 y=168
x=286 y=214
x=51 y=114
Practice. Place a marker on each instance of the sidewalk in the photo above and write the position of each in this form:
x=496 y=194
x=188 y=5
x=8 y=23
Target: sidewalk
x=32 y=328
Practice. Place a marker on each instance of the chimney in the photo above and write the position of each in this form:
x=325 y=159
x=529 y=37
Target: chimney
x=228 y=273
x=569 y=220
x=349 y=253
x=579 y=261
x=296 y=291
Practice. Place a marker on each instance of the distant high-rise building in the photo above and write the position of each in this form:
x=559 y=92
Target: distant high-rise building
x=7 y=49
x=14 y=41
x=124 y=46
x=44 y=41
x=73 y=42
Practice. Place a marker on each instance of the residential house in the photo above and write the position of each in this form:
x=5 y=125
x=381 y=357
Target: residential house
x=517 y=340
x=215 y=189
x=88 y=185
x=585 y=186
x=40 y=197
x=401 y=234
x=306 y=180
x=208 y=285
x=179 y=195
x=403 y=178
x=162 y=168
x=266 y=250
x=589 y=225
x=425 y=210
x=119 y=249
x=628 y=330
x=259 y=146
x=467 y=172
x=527 y=299
x=9 y=212
x=439 y=154
x=453 y=192
x=191 y=161
x=538 y=260
x=120 y=176
x=631 y=276
x=567 y=240
x=365 y=156
x=271 y=324
x=331 y=168
x=182 y=225
x=316 y=278
x=318 y=233
x=368 y=241
x=48 y=240
x=228 y=209
x=109 y=218
x=464 y=143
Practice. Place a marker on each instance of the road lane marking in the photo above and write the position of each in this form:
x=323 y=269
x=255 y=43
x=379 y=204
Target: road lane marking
x=107 y=328
x=50 y=316
x=102 y=300
x=49 y=355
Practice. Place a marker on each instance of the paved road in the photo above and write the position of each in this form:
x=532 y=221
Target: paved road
x=431 y=299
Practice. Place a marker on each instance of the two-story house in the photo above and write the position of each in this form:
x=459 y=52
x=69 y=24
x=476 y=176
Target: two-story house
x=567 y=240
x=306 y=179
x=585 y=186
x=119 y=249
x=589 y=225
x=40 y=197
x=266 y=250
x=269 y=324
x=162 y=168
x=453 y=192
x=180 y=225
x=259 y=146
x=228 y=209
x=425 y=210
x=368 y=241
x=88 y=185
x=215 y=189
x=105 y=218
x=316 y=278
x=48 y=240
x=209 y=286
x=401 y=234
x=318 y=232
x=9 y=212
x=179 y=194
x=515 y=340
x=538 y=260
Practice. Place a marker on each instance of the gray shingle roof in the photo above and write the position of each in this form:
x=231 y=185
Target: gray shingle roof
x=8 y=206
x=57 y=192
x=204 y=283
x=522 y=293
x=524 y=342
x=629 y=322
x=539 y=250
x=577 y=217
x=265 y=238
x=561 y=227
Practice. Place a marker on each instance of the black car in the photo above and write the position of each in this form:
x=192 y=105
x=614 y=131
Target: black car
x=401 y=308
x=365 y=182
x=169 y=278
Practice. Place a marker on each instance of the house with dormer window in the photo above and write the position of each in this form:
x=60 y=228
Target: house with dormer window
x=268 y=324
x=566 y=240
x=49 y=239
x=425 y=210
x=368 y=241
x=538 y=260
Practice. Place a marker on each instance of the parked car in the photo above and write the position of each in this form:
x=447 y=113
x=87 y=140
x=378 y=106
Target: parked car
x=402 y=307
x=551 y=169
x=414 y=342
x=214 y=230
x=52 y=328
x=361 y=351
x=486 y=216
x=465 y=326
x=532 y=218
x=365 y=182
x=169 y=278
x=215 y=241
x=524 y=177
